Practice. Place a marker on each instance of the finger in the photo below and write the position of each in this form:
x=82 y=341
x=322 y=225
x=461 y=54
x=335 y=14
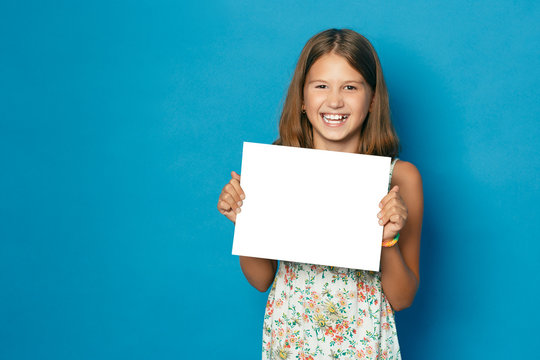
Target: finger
x=223 y=206
x=395 y=202
x=229 y=188
x=393 y=193
x=389 y=213
x=397 y=219
x=231 y=216
x=234 y=175
x=225 y=209
x=236 y=184
x=228 y=198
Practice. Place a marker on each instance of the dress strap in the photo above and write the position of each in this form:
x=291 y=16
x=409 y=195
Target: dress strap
x=391 y=172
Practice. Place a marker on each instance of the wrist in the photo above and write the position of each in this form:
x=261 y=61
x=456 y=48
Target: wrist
x=390 y=242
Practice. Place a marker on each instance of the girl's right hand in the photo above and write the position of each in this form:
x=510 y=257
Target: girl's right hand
x=231 y=197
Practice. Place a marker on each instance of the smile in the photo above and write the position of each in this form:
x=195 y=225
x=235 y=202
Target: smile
x=334 y=119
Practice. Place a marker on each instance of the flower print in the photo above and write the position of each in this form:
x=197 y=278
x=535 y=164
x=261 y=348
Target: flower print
x=342 y=326
x=320 y=320
x=326 y=292
x=303 y=356
x=331 y=308
x=361 y=296
x=270 y=306
x=292 y=339
x=369 y=350
x=293 y=276
x=314 y=317
x=364 y=341
x=334 y=355
x=282 y=353
x=338 y=339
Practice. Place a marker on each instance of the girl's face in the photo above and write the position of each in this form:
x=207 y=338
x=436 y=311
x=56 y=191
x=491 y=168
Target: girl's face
x=337 y=100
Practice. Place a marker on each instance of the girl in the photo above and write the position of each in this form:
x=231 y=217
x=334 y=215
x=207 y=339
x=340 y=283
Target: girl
x=337 y=100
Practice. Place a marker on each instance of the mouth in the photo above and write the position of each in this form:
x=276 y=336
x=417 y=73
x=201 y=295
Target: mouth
x=334 y=119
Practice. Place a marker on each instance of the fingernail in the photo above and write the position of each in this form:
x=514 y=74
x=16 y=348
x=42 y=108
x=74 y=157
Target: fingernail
x=380 y=205
x=242 y=196
x=380 y=222
x=239 y=203
x=379 y=215
x=238 y=210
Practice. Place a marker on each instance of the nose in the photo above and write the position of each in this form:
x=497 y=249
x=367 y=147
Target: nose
x=335 y=99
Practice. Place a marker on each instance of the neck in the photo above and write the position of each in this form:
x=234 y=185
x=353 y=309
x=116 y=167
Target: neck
x=349 y=146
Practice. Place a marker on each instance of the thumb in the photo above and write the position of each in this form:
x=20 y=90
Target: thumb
x=395 y=189
x=234 y=175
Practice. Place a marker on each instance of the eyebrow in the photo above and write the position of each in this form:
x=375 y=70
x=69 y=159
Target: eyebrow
x=345 y=82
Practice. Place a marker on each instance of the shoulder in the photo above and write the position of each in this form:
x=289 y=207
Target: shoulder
x=408 y=178
x=406 y=175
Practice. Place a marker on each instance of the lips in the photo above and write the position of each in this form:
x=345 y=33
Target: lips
x=334 y=119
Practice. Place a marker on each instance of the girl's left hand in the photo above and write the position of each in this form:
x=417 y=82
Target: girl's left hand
x=393 y=214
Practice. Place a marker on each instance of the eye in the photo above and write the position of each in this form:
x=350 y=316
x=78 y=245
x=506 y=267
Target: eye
x=350 y=87
x=321 y=86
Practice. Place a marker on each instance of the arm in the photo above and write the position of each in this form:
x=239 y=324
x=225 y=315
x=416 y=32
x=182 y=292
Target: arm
x=258 y=272
x=400 y=273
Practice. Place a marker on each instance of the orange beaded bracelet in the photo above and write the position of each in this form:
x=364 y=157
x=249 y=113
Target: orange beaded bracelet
x=392 y=242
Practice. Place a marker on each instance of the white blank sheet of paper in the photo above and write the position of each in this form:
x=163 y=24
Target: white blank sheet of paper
x=311 y=206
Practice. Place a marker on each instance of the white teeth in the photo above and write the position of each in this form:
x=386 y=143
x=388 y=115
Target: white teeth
x=334 y=118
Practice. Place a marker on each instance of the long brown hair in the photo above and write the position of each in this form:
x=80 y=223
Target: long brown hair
x=377 y=134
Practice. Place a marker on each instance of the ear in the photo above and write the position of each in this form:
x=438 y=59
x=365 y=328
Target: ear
x=371 y=104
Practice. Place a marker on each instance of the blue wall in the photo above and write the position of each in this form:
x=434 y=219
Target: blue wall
x=120 y=123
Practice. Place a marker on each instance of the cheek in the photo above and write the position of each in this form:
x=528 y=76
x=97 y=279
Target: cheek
x=311 y=116
x=361 y=103
x=313 y=102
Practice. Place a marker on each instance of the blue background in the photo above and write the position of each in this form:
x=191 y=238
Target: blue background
x=121 y=121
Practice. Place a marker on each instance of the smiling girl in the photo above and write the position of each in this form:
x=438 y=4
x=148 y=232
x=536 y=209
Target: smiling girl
x=338 y=101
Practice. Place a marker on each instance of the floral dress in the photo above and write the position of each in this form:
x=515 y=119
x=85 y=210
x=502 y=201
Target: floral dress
x=324 y=312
